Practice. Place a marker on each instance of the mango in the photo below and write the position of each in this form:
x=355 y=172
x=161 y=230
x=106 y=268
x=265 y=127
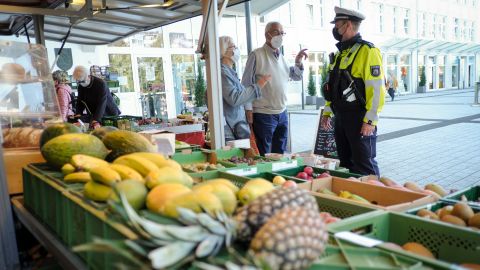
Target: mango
x=463 y=211
x=68 y=169
x=135 y=192
x=474 y=221
x=425 y=213
x=437 y=189
x=453 y=220
x=195 y=201
x=418 y=249
x=222 y=181
x=161 y=194
x=97 y=192
x=226 y=195
x=167 y=175
x=278 y=180
x=254 y=189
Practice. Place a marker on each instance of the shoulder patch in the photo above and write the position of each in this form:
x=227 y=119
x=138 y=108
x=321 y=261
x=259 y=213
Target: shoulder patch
x=375 y=71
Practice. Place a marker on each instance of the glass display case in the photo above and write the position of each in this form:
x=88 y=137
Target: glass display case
x=27 y=94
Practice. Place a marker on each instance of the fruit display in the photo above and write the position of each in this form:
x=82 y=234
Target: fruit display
x=344 y=194
x=253 y=189
x=460 y=214
x=202 y=167
x=308 y=174
x=247 y=160
x=263 y=226
x=430 y=189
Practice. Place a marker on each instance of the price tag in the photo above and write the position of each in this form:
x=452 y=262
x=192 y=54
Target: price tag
x=358 y=239
x=277 y=166
x=243 y=172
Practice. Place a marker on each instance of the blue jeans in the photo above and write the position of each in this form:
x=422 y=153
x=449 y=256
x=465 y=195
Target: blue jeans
x=271 y=132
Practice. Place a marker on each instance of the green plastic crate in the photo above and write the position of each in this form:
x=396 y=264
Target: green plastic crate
x=472 y=194
x=73 y=220
x=346 y=258
x=293 y=172
x=447 y=243
x=270 y=175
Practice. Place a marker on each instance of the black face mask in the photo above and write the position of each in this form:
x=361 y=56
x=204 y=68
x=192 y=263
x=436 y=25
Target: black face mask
x=336 y=34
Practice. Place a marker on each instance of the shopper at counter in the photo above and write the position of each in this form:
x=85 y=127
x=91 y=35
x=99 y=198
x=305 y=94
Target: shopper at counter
x=235 y=95
x=355 y=94
x=63 y=90
x=94 y=97
x=270 y=120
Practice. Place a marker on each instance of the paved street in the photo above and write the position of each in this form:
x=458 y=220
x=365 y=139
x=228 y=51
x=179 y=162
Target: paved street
x=433 y=137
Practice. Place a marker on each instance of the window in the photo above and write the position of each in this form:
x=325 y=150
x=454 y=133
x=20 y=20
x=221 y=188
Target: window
x=441 y=71
x=443 y=25
x=309 y=9
x=149 y=39
x=180 y=34
x=465 y=30
x=380 y=17
x=472 y=32
x=433 y=26
x=122 y=65
x=424 y=24
x=359 y=4
x=120 y=43
x=320 y=10
x=394 y=18
x=457 y=30
x=183 y=70
x=406 y=21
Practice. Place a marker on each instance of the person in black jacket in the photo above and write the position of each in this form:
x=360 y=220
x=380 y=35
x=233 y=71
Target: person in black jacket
x=94 y=97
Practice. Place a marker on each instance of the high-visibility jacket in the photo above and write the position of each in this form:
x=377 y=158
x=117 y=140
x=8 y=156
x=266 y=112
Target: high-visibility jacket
x=364 y=62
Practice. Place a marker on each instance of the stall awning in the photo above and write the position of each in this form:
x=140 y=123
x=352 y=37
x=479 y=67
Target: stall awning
x=434 y=46
x=108 y=20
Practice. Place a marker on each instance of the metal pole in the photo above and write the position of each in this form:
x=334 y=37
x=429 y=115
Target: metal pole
x=38 y=23
x=248 y=25
x=8 y=244
x=303 y=88
x=214 y=83
x=477 y=89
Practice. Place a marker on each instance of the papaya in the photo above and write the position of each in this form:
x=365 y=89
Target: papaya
x=55 y=130
x=59 y=150
x=123 y=142
x=101 y=132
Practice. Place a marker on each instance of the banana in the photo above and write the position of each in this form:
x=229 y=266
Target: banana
x=327 y=192
x=139 y=164
x=77 y=177
x=105 y=175
x=68 y=169
x=358 y=199
x=127 y=172
x=97 y=192
x=86 y=163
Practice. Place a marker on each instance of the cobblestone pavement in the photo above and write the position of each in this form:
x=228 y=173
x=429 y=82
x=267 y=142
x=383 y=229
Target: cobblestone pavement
x=433 y=137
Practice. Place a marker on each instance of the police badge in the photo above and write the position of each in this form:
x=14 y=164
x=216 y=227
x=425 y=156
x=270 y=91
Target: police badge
x=375 y=71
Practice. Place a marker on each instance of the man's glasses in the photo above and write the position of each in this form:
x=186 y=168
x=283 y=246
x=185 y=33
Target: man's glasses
x=276 y=33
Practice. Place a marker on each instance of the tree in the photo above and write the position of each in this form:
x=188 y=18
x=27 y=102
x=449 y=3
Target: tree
x=423 y=79
x=311 y=88
x=200 y=87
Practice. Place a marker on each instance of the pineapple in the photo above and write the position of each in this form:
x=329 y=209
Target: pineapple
x=251 y=217
x=292 y=239
x=201 y=235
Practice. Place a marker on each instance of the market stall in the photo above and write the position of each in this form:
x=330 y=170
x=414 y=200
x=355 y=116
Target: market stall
x=110 y=190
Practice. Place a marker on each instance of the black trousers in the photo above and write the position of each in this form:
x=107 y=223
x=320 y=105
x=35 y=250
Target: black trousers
x=356 y=152
x=391 y=92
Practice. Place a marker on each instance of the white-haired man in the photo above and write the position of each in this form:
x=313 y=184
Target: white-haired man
x=270 y=120
x=94 y=97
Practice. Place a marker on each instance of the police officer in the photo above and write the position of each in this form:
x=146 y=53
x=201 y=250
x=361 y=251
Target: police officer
x=355 y=94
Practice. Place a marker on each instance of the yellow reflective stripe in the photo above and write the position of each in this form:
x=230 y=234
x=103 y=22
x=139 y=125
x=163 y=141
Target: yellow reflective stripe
x=327 y=110
x=373 y=107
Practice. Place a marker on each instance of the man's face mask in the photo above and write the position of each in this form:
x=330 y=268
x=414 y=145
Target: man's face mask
x=336 y=33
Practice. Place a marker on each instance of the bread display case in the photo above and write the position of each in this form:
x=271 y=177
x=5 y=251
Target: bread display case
x=28 y=103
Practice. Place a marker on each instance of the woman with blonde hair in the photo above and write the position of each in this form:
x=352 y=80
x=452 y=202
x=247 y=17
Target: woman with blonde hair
x=63 y=91
x=235 y=95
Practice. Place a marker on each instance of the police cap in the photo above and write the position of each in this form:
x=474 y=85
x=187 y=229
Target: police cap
x=347 y=14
